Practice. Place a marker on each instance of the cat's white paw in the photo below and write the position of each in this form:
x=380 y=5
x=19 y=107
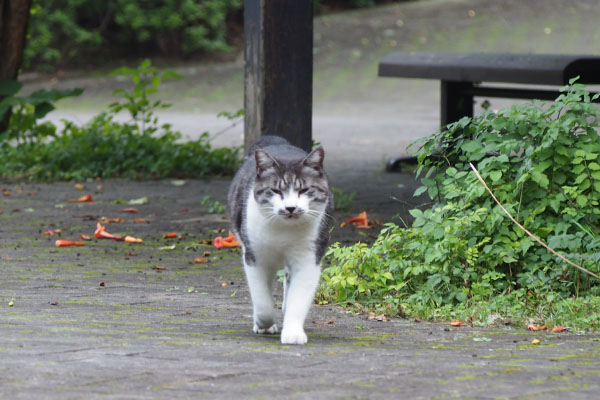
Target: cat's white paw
x=271 y=331
x=293 y=336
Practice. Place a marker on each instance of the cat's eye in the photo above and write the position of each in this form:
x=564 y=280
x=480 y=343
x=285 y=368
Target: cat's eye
x=277 y=191
x=303 y=190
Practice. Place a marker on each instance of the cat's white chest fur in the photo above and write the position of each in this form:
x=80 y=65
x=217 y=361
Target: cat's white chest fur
x=275 y=240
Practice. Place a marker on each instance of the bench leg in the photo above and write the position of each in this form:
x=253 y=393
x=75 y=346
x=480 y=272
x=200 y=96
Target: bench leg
x=455 y=101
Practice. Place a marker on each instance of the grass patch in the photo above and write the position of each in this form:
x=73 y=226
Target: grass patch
x=139 y=149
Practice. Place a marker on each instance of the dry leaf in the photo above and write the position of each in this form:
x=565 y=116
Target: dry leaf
x=131 y=239
x=330 y=322
x=159 y=267
x=83 y=199
x=65 y=243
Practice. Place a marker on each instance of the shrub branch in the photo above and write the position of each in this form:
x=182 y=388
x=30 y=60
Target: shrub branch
x=526 y=231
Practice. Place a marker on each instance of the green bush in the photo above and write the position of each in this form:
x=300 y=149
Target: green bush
x=542 y=163
x=67 y=30
x=140 y=148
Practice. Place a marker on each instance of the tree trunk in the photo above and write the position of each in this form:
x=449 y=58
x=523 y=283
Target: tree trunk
x=14 y=16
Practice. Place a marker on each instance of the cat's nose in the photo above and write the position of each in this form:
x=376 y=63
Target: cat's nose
x=291 y=209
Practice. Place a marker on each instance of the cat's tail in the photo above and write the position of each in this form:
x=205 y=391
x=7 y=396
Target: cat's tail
x=264 y=141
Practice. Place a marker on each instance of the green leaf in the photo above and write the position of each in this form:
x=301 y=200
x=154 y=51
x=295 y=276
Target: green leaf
x=594 y=166
x=495 y=175
x=10 y=87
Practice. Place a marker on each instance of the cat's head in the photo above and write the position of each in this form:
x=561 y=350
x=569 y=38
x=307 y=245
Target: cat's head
x=291 y=191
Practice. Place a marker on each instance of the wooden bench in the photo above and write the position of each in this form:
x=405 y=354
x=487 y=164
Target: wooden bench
x=461 y=75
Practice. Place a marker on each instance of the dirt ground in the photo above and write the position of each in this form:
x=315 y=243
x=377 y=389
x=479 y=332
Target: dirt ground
x=142 y=321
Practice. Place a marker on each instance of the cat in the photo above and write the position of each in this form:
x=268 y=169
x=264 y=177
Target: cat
x=280 y=206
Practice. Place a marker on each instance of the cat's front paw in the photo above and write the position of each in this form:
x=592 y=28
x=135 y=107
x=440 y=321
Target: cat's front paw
x=293 y=336
x=271 y=331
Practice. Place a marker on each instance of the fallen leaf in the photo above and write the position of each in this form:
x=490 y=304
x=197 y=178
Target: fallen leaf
x=131 y=239
x=330 y=322
x=191 y=289
x=482 y=339
x=535 y=342
x=559 y=329
x=54 y=303
x=170 y=235
x=227 y=242
x=65 y=243
x=83 y=236
x=102 y=284
x=83 y=199
x=129 y=210
x=177 y=182
x=100 y=188
x=418 y=320
x=111 y=220
x=200 y=260
x=380 y=317
x=138 y=202
x=79 y=186
x=456 y=322
x=171 y=247
x=132 y=254
x=159 y=267
x=101 y=233
x=7 y=193
x=139 y=220
x=207 y=254
x=11 y=303
x=533 y=327
x=359 y=221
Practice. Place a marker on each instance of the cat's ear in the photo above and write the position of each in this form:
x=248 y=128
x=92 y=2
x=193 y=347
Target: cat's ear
x=315 y=159
x=264 y=161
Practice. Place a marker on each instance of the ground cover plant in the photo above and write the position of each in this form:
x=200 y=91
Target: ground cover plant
x=104 y=147
x=463 y=258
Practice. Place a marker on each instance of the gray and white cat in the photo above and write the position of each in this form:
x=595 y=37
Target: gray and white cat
x=280 y=206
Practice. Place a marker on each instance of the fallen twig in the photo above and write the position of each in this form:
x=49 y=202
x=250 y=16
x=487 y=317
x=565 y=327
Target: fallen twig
x=527 y=232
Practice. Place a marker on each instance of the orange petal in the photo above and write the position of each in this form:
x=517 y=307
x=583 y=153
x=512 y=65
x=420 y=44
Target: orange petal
x=218 y=242
x=129 y=210
x=230 y=241
x=101 y=233
x=139 y=220
x=456 y=322
x=64 y=243
x=559 y=329
x=84 y=237
x=49 y=232
x=83 y=199
x=131 y=239
x=200 y=260
x=359 y=221
x=170 y=235
x=532 y=327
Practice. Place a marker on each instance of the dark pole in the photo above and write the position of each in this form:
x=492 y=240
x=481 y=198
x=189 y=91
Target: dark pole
x=14 y=16
x=278 y=41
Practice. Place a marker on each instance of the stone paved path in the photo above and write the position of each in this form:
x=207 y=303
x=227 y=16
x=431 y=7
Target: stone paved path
x=185 y=331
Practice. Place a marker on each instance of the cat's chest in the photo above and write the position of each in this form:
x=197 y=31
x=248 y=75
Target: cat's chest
x=274 y=232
